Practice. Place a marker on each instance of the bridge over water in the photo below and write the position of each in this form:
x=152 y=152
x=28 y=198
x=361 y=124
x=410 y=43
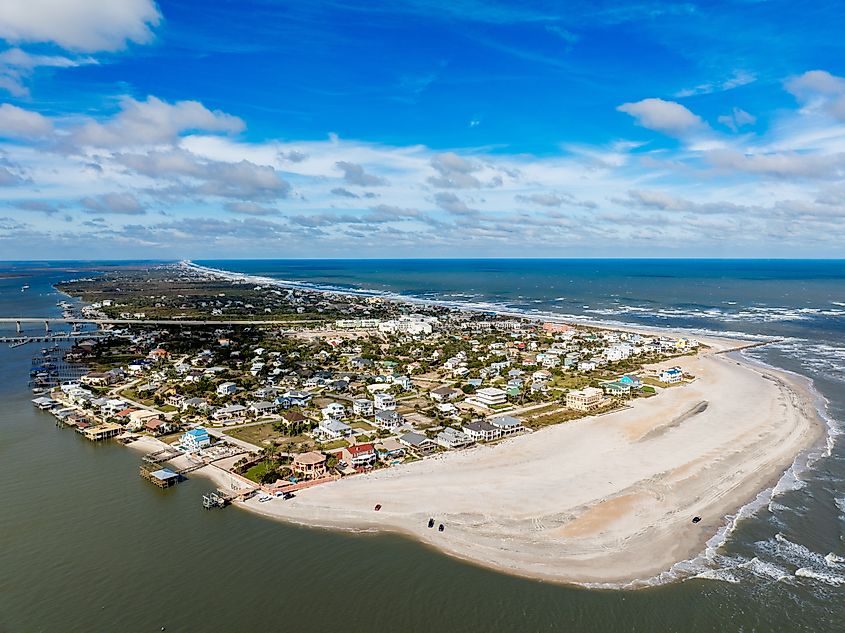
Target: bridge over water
x=75 y=321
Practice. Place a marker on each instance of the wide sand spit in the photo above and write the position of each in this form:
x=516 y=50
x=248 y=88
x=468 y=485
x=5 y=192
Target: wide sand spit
x=604 y=499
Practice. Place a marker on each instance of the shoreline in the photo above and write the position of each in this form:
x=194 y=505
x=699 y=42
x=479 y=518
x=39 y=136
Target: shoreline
x=602 y=541
x=717 y=526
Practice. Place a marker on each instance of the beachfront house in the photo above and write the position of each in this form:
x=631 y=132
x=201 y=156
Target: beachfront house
x=507 y=425
x=616 y=388
x=359 y=456
x=195 y=440
x=481 y=431
x=671 y=376
x=452 y=438
x=309 y=465
x=585 y=399
x=420 y=444
x=390 y=450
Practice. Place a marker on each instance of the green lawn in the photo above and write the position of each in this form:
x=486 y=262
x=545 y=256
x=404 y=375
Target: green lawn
x=260 y=470
x=329 y=446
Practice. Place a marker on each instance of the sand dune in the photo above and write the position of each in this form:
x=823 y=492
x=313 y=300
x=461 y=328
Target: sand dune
x=606 y=499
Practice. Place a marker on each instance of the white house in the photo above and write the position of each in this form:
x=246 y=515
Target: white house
x=491 y=396
x=506 y=425
x=452 y=438
x=334 y=429
x=362 y=406
x=384 y=401
x=226 y=389
x=671 y=376
x=481 y=431
x=334 y=410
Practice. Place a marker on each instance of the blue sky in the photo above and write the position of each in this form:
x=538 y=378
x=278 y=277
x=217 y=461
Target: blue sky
x=427 y=129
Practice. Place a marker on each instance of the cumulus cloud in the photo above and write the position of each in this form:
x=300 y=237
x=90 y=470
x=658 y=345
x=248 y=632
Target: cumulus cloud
x=454 y=172
x=451 y=203
x=344 y=193
x=250 y=208
x=153 y=121
x=554 y=200
x=16 y=122
x=737 y=118
x=815 y=82
x=113 y=203
x=293 y=156
x=668 y=117
x=39 y=206
x=200 y=176
x=9 y=178
x=79 y=25
x=782 y=165
x=820 y=89
x=354 y=174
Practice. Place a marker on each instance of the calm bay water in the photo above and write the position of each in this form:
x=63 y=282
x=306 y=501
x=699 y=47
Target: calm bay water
x=86 y=545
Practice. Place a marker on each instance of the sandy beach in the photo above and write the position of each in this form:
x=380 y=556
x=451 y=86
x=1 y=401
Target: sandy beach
x=604 y=499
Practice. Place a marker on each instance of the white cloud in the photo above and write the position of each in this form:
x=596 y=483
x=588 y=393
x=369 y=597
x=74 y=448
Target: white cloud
x=79 y=25
x=815 y=82
x=151 y=122
x=454 y=172
x=354 y=174
x=782 y=165
x=668 y=117
x=737 y=118
x=17 y=66
x=739 y=78
x=454 y=205
x=113 y=203
x=16 y=122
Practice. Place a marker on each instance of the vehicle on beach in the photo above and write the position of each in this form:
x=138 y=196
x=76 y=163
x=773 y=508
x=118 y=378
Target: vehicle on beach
x=431 y=523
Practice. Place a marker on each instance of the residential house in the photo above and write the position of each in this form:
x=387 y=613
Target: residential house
x=481 y=431
x=444 y=394
x=506 y=425
x=384 y=401
x=334 y=410
x=226 y=389
x=359 y=456
x=585 y=399
x=452 y=438
x=389 y=419
x=333 y=429
x=390 y=450
x=671 y=376
x=232 y=411
x=418 y=443
x=362 y=406
x=195 y=439
x=490 y=396
x=310 y=465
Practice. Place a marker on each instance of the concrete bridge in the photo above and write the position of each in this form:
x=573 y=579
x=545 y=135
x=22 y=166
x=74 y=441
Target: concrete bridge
x=76 y=321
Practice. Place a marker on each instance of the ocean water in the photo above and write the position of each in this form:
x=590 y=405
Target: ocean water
x=86 y=545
